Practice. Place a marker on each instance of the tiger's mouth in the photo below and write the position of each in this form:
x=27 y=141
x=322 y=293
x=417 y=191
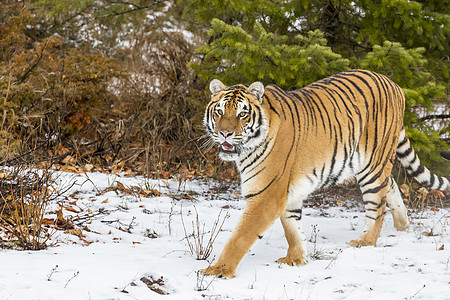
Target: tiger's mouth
x=227 y=147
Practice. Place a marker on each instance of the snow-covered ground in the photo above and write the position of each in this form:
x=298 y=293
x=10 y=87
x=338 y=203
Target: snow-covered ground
x=130 y=241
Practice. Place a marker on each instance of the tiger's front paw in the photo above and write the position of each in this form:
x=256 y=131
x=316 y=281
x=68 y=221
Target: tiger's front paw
x=362 y=243
x=221 y=271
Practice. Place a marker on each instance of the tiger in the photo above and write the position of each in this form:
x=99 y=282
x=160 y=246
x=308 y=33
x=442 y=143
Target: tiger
x=287 y=144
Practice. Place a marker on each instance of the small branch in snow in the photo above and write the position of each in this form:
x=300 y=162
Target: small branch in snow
x=417 y=292
x=446 y=265
x=130 y=226
x=252 y=285
x=78 y=220
x=51 y=273
x=333 y=259
x=74 y=275
x=201 y=277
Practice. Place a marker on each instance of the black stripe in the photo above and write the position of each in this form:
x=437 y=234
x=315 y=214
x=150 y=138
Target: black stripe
x=272 y=91
x=270 y=104
x=356 y=86
x=335 y=104
x=311 y=102
x=333 y=162
x=324 y=110
x=404 y=154
x=257 y=193
x=432 y=180
x=253 y=175
x=374 y=177
x=321 y=173
x=308 y=109
x=284 y=98
x=413 y=161
x=441 y=182
x=420 y=170
x=402 y=143
x=378 y=188
x=266 y=144
x=296 y=214
x=343 y=165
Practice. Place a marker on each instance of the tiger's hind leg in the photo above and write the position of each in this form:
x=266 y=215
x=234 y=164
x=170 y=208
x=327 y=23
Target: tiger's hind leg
x=396 y=205
x=374 y=191
x=291 y=221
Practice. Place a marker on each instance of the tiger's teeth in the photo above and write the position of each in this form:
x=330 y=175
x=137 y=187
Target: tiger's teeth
x=227 y=146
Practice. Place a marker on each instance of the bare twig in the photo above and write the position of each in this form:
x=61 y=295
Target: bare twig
x=51 y=273
x=417 y=292
x=198 y=246
x=70 y=279
x=201 y=278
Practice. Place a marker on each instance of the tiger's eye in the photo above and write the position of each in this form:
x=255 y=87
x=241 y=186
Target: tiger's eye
x=242 y=115
x=219 y=112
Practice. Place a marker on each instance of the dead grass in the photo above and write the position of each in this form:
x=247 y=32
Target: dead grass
x=25 y=193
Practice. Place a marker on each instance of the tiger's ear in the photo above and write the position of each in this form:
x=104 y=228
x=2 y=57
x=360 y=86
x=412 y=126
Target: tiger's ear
x=257 y=90
x=216 y=86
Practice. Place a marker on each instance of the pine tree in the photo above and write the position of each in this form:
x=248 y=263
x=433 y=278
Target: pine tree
x=293 y=43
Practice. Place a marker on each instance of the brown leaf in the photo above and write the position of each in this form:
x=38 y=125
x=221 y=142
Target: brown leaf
x=75 y=231
x=404 y=188
x=61 y=222
x=436 y=194
x=59 y=215
x=48 y=221
x=149 y=193
x=135 y=187
x=123 y=189
x=428 y=233
x=88 y=167
x=339 y=203
x=72 y=209
x=441 y=248
x=187 y=196
x=69 y=159
x=422 y=193
x=62 y=150
x=120 y=186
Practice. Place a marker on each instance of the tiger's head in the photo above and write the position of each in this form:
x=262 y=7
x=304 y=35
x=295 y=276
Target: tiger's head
x=235 y=118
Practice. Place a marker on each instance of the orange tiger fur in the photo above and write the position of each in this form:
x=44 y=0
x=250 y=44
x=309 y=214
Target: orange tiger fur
x=288 y=144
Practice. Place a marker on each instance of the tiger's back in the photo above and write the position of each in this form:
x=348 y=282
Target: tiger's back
x=288 y=144
x=334 y=128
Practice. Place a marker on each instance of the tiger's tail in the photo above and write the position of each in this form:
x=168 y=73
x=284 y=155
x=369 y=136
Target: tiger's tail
x=409 y=160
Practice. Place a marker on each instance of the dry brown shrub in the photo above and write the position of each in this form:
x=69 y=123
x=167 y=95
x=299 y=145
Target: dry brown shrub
x=163 y=105
x=25 y=193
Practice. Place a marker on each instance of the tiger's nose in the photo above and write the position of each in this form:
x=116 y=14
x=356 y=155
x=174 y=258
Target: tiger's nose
x=226 y=133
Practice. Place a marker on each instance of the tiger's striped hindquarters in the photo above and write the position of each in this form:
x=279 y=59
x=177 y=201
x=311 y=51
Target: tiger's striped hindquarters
x=288 y=144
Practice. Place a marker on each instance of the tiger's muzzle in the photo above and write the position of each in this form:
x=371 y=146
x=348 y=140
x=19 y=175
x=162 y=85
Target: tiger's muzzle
x=226 y=142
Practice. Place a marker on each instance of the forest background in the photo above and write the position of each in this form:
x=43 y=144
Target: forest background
x=111 y=84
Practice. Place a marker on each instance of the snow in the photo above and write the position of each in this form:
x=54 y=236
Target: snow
x=404 y=265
